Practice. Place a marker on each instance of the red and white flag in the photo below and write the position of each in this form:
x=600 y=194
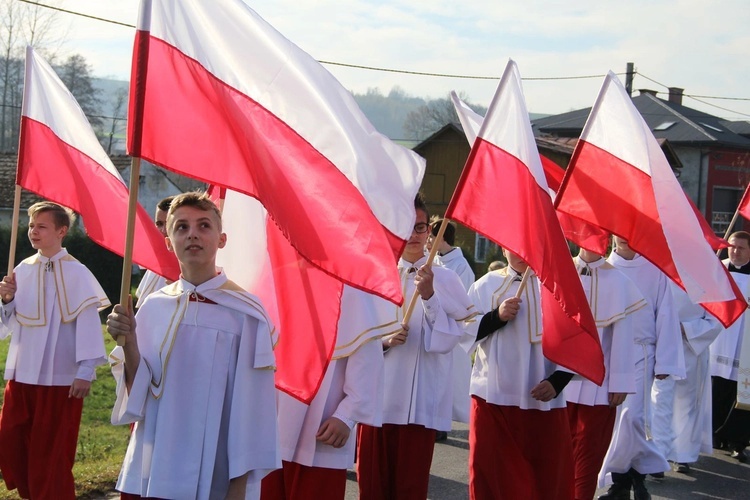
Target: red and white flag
x=304 y=303
x=60 y=159
x=219 y=95
x=744 y=207
x=579 y=232
x=620 y=180
x=503 y=194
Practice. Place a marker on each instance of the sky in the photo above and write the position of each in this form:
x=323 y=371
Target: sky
x=701 y=47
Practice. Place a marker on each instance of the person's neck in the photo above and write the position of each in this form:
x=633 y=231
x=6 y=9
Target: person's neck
x=517 y=271
x=50 y=252
x=589 y=258
x=198 y=276
x=739 y=265
x=626 y=254
x=410 y=257
x=445 y=249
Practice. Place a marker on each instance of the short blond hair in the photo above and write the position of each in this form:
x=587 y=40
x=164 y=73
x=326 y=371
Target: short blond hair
x=62 y=216
x=196 y=199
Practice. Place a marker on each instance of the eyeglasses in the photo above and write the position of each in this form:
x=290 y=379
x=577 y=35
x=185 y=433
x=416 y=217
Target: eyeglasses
x=421 y=227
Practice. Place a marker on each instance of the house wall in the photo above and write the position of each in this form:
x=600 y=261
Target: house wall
x=446 y=154
x=728 y=175
x=692 y=175
x=153 y=186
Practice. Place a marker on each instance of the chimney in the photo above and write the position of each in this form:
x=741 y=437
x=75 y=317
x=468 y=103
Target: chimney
x=647 y=91
x=675 y=95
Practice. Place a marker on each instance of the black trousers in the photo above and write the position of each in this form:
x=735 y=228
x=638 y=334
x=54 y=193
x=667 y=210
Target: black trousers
x=730 y=425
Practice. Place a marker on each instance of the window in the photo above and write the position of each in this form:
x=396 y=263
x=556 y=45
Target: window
x=483 y=248
x=724 y=203
x=664 y=126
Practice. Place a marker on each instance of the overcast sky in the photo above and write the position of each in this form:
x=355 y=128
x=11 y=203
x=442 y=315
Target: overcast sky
x=701 y=46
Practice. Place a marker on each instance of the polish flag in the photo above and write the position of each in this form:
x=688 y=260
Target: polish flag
x=620 y=180
x=221 y=96
x=59 y=158
x=304 y=303
x=503 y=194
x=579 y=232
x=744 y=207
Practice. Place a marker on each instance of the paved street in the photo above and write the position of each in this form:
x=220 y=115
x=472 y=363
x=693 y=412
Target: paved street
x=714 y=477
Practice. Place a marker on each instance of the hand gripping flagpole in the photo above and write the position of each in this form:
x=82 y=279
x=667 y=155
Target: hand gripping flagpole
x=430 y=258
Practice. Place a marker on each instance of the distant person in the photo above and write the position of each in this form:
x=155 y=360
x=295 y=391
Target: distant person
x=50 y=307
x=519 y=435
x=495 y=265
x=451 y=257
x=658 y=354
x=196 y=374
x=682 y=408
x=731 y=425
x=592 y=409
x=151 y=281
x=317 y=441
x=393 y=461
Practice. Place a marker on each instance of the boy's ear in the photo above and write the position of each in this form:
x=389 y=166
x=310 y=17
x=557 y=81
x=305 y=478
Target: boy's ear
x=222 y=240
x=169 y=244
x=63 y=231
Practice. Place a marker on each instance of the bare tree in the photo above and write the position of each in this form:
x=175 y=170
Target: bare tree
x=21 y=24
x=118 y=112
x=75 y=73
x=432 y=116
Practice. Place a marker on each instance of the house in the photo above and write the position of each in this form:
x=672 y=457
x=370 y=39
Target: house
x=154 y=184
x=446 y=152
x=710 y=156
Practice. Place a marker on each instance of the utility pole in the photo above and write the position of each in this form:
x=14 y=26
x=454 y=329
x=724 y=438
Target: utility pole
x=629 y=78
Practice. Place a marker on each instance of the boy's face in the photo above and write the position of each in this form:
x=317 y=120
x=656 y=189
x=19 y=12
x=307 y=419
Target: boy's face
x=415 y=244
x=160 y=220
x=43 y=234
x=194 y=236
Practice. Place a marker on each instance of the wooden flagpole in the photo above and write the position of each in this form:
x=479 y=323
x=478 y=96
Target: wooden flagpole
x=127 y=258
x=14 y=231
x=524 y=279
x=430 y=258
x=730 y=227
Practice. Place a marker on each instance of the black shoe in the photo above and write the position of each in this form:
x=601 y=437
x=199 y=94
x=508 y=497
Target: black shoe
x=639 y=487
x=620 y=488
x=616 y=492
x=657 y=475
x=682 y=468
x=441 y=436
x=740 y=455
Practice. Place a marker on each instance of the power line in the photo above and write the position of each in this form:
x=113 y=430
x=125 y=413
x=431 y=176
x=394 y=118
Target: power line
x=432 y=74
x=348 y=65
x=696 y=98
x=80 y=14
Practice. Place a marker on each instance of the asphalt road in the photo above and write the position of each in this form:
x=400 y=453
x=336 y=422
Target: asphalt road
x=714 y=476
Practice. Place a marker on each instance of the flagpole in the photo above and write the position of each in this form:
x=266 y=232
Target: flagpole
x=730 y=227
x=524 y=279
x=430 y=258
x=14 y=230
x=127 y=258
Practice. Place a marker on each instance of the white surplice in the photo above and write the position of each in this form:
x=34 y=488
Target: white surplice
x=509 y=362
x=682 y=408
x=53 y=321
x=352 y=387
x=418 y=389
x=725 y=350
x=461 y=375
x=150 y=283
x=613 y=298
x=658 y=350
x=203 y=396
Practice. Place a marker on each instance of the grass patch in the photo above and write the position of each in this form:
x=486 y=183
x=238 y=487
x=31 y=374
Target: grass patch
x=101 y=446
